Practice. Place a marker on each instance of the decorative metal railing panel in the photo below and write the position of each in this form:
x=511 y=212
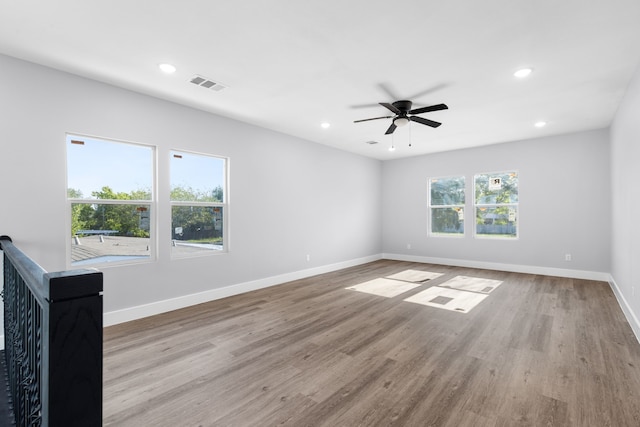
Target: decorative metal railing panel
x=23 y=333
x=53 y=342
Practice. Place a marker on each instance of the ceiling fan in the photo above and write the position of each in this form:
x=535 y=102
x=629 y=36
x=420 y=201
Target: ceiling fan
x=404 y=114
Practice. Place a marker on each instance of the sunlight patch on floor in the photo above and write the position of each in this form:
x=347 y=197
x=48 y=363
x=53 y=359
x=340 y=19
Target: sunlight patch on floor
x=448 y=299
x=384 y=287
x=414 y=276
x=460 y=294
x=473 y=284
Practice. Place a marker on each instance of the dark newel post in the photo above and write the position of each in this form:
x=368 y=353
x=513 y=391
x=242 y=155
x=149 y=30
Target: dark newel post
x=75 y=349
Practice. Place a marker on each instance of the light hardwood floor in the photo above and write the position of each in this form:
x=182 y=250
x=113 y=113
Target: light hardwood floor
x=538 y=351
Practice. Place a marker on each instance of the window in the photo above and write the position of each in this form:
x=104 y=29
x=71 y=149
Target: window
x=496 y=197
x=198 y=203
x=111 y=204
x=446 y=202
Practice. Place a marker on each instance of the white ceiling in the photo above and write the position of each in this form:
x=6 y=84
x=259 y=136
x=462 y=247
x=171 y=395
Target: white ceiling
x=290 y=65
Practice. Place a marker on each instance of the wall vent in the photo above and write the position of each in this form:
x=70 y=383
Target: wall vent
x=207 y=83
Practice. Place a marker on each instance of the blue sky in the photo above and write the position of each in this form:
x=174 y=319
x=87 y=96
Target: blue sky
x=202 y=173
x=128 y=167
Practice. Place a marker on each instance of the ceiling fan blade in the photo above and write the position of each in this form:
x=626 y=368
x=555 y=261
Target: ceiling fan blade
x=374 y=118
x=390 y=107
x=429 y=108
x=424 y=121
x=391 y=129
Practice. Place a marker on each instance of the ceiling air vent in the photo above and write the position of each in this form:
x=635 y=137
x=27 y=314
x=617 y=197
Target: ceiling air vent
x=371 y=142
x=207 y=83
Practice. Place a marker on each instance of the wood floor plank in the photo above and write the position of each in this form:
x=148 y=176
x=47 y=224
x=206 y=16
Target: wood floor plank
x=538 y=350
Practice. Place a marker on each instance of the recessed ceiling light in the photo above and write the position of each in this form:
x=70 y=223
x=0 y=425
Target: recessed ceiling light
x=167 y=68
x=540 y=124
x=392 y=148
x=524 y=72
x=325 y=125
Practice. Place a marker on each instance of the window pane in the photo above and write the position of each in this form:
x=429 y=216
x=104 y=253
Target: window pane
x=109 y=232
x=196 y=178
x=196 y=229
x=107 y=169
x=496 y=188
x=497 y=221
x=447 y=220
x=447 y=191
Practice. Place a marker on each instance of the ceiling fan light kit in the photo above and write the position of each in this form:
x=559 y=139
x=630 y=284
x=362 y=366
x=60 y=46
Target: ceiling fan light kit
x=400 y=121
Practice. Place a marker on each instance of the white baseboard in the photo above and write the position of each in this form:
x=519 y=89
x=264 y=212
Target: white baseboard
x=626 y=308
x=138 y=312
x=529 y=269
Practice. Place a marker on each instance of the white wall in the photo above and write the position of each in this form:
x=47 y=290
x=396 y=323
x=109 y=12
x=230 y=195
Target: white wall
x=564 y=206
x=625 y=180
x=288 y=197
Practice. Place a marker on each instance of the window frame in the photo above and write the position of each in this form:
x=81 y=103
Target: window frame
x=151 y=202
x=510 y=205
x=461 y=206
x=224 y=205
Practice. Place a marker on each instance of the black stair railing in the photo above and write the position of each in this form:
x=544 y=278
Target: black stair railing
x=53 y=342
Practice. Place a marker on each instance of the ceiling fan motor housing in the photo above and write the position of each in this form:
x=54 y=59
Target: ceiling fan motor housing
x=403 y=105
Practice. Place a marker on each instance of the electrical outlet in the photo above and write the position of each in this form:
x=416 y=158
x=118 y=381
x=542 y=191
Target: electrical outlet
x=567 y=257
x=308 y=257
x=408 y=245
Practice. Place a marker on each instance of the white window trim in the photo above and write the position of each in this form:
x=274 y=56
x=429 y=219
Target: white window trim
x=153 y=241
x=224 y=205
x=485 y=205
x=430 y=233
